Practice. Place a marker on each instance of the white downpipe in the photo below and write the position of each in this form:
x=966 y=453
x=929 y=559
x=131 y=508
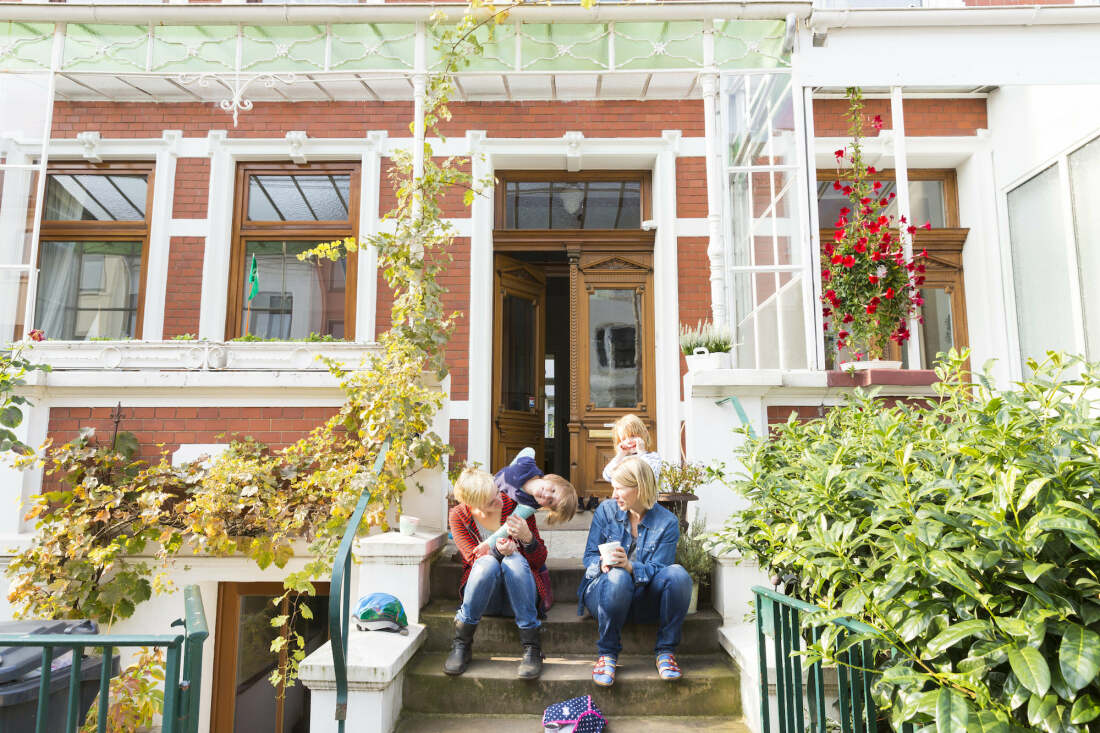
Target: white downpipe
x=716 y=252
x=901 y=175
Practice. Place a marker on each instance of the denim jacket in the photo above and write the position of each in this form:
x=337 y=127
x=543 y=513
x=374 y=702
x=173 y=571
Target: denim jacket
x=658 y=534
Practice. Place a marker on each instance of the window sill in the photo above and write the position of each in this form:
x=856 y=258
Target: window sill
x=719 y=383
x=198 y=355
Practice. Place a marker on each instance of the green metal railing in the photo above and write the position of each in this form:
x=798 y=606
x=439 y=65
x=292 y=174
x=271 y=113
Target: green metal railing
x=182 y=686
x=778 y=617
x=339 y=598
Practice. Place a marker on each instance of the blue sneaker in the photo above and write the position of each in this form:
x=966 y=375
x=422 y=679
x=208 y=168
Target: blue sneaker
x=603 y=671
x=667 y=668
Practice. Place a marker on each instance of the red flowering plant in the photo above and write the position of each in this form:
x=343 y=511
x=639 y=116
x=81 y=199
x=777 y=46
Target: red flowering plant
x=870 y=289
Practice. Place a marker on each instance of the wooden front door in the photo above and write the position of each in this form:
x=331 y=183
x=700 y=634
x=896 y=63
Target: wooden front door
x=519 y=338
x=612 y=353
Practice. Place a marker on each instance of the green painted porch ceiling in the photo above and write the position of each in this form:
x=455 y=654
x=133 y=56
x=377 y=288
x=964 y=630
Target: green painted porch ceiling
x=375 y=60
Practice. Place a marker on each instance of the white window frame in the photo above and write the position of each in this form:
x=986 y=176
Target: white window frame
x=1065 y=194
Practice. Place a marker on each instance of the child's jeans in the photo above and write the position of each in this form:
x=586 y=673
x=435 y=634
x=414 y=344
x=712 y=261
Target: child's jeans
x=500 y=588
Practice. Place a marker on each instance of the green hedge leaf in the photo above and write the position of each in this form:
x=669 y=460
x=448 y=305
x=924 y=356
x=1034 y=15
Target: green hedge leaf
x=951 y=711
x=1030 y=668
x=956 y=633
x=1079 y=656
x=1085 y=710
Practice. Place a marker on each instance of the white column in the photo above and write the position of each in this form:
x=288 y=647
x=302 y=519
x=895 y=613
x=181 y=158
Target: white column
x=901 y=173
x=366 y=289
x=16 y=485
x=811 y=290
x=716 y=252
x=14 y=204
x=479 y=438
x=156 y=270
x=666 y=326
x=215 y=261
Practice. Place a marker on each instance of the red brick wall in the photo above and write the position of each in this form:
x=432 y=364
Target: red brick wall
x=355 y=119
x=184 y=287
x=923 y=117
x=192 y=187
x=459 y=440
x=694 y=284
x=691 y=188
x=276 y=426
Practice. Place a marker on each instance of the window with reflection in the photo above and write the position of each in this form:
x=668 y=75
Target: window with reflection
x=92 y=251
x=615 y=202
x=615 y=320
x=933 y=198
x=283 y=212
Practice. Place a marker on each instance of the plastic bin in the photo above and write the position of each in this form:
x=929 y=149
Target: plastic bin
x=20 y=677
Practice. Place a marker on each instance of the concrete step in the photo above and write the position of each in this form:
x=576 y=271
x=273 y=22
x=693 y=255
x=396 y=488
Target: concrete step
x=563 y=632
x=710 y=686
x=565 y=577
x=423 y=723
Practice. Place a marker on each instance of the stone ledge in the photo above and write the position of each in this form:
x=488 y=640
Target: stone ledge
x=398 y=549
x=375 y=659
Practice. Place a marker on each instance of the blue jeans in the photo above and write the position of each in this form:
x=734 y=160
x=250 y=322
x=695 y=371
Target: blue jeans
x=500 y=588
x=613 y=597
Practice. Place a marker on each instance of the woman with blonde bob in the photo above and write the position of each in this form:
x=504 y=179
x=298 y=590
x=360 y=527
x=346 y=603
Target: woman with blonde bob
x=501 y=580
x=636 y=580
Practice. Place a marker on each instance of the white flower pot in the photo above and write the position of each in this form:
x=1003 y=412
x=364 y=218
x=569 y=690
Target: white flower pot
x=703 y=360
x=862 y=366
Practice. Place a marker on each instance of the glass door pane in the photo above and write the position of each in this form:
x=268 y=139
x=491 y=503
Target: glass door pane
x=518 y=390
x=615 y=330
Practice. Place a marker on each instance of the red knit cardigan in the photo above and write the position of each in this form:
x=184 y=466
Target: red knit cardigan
x=467 y=538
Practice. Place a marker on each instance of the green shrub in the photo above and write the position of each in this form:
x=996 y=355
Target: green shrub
x=964 y=530
x=692 y=553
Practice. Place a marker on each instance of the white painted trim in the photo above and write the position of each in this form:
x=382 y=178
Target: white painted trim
x=215 y=261
x=459 y=410
x=905 y=216
x=666 y=298
x=188 y=227
x=692 y=227
x=366 y=280
x=480 y=314
x=156 y=269
x=923 y=151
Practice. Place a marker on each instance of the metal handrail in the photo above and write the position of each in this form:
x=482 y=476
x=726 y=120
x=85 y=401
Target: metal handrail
x=181 y=698
x=339 y=599
x=778 y=616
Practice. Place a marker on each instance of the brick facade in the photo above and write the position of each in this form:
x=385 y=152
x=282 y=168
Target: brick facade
x=923 y=117
x=161 y=429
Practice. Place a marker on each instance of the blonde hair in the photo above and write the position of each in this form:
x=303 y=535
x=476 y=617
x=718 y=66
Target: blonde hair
x=474 y=488
x=633 y=472
x=630 y=426
x=565 y=502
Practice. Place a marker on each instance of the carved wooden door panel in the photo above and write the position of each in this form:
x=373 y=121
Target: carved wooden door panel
x=519 y=338
x=612 y=350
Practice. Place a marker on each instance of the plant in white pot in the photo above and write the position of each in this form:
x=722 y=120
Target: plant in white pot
x=706 y=346
x=694 y=557
x=870 y=286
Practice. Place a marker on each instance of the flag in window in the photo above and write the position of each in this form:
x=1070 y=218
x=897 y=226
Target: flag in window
x=253 y=280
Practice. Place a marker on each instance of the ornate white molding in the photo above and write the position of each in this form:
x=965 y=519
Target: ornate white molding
x=89 y=141
x=197 y=355
x=296 y=139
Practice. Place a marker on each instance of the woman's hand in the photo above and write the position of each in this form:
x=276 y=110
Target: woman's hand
x=481 y=549
x=506 y=546
x=518 y=528
x=618 y=559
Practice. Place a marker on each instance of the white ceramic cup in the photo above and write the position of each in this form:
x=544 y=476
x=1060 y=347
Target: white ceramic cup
x=408 y=524
x=607 y=548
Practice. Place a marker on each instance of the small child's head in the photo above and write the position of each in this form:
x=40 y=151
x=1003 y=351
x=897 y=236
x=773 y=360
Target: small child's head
x=630 y=426
x=475 y=488
x=555 y=494
x=634 y=474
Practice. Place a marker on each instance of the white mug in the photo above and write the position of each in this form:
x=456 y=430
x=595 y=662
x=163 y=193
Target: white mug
x=607 y=548
x=408 y=524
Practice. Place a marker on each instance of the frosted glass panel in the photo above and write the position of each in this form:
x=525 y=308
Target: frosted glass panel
x=96 y=198
x=1084 y=178
x=1040 y=267
x=298 y=198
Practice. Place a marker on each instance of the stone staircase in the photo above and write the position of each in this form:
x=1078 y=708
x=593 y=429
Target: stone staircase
x=489 y=697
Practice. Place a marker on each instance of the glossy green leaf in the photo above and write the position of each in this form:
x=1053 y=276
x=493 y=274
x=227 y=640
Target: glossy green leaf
x=1030 y=668
x=952 y=712
x=1079 y=656
x=956 y=633
x=1085 y=710
x=986 y=722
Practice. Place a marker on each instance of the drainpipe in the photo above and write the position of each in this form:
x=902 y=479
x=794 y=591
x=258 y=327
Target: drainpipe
x=708 y=80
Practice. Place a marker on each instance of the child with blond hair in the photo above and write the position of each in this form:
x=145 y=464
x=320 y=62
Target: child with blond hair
x=631 y=438
x=524 y=482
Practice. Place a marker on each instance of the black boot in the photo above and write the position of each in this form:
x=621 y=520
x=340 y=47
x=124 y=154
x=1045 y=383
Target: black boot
x=461 y=649
x=530 y=666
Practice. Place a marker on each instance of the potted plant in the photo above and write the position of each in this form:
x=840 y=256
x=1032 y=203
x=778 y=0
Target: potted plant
x=870 y=286
x=706 y=346
x=694 y=557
